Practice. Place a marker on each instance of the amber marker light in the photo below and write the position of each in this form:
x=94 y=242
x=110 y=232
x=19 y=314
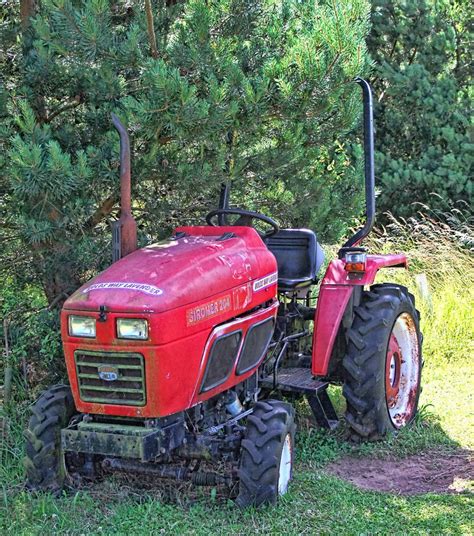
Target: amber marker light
x=355 y=262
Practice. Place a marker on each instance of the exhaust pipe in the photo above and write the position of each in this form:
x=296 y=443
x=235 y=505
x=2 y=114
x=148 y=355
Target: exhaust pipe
x=369 y=166
x=124 y=231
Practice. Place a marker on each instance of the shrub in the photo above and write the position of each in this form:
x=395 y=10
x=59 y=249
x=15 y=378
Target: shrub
x=424 y=95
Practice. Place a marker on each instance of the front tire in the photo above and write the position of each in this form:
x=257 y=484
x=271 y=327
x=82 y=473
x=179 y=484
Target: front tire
x=44 y=462
x=266 y=463
x=382 y=365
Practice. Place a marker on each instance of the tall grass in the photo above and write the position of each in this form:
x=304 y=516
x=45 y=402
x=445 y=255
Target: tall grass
x=440 y=251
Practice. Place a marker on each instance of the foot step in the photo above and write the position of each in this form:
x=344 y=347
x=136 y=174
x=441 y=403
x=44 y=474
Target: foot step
x=300 y=380
x=297 y=380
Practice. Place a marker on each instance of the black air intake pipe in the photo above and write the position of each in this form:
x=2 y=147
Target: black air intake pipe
x=369 y=166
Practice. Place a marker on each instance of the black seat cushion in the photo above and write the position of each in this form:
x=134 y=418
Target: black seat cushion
x=298 y=255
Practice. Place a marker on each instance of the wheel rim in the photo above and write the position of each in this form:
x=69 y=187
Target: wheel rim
x=402 y=367
x=284 y=474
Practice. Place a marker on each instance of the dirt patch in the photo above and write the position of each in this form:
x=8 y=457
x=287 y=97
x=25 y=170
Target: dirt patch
x=428 y=472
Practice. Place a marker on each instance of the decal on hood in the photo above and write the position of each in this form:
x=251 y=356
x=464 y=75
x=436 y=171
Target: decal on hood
x=265 y=282
x=123 y=285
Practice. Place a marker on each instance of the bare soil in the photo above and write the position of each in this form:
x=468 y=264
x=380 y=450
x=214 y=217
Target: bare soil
x=427 y=472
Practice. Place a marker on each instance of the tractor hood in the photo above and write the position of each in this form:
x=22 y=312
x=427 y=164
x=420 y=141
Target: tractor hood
x=195 y=264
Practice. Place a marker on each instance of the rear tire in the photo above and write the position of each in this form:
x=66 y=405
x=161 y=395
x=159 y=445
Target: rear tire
x=382 y=365
x=44 y=462
x=266 y=463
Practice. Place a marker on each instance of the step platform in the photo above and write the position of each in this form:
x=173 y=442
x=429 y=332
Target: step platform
x=300 y=380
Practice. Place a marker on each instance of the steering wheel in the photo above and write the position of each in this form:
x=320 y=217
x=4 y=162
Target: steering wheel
x=245 y=219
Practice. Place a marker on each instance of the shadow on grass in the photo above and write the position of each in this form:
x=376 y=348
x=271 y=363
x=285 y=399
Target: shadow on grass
x=317 y=447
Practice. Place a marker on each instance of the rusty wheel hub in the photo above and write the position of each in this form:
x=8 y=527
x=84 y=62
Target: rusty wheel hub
x=392 y=370
x=402 y=371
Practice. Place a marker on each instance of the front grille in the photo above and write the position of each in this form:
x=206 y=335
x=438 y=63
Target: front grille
x=127 y=389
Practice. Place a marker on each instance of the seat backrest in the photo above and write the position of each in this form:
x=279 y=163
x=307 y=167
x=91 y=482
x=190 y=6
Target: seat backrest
x=298 y=255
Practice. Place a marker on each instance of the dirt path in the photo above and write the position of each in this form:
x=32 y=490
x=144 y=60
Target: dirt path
x=430 y=471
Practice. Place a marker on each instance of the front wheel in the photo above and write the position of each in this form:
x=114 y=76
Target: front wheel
x=382 y=366
x=45 y=462
x=266 y=463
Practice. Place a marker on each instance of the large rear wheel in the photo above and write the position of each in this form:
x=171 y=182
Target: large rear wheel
x=382 y=366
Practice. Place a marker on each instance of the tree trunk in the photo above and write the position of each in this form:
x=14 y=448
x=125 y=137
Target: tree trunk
x=151 y=29
x=27 y=10
x=58 y=275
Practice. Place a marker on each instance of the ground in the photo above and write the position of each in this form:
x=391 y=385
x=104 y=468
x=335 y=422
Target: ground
x=432 y=471
x=328 y=494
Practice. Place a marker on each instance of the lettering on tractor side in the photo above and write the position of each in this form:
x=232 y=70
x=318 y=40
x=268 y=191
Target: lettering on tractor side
x=208 y=310
x=202 y=366
x=265 y=282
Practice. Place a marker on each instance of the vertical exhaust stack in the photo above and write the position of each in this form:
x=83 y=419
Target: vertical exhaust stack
x=125 y=230
x=369 y=165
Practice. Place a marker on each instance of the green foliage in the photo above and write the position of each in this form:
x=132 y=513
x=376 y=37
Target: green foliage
x=424 y=89
x=259 y=93
x=35 y=350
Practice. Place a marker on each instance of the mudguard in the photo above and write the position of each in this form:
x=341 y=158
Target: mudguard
x=335 y=292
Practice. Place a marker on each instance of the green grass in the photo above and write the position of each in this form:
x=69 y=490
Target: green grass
x=317 y=503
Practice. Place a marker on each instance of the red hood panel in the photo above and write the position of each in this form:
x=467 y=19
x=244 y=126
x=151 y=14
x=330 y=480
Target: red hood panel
x=177 y=272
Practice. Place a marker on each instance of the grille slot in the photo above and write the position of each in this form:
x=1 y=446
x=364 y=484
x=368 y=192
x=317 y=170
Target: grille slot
x=128 y=389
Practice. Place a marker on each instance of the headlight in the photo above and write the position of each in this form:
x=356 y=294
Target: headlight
x=132 y=328
x=81 y=326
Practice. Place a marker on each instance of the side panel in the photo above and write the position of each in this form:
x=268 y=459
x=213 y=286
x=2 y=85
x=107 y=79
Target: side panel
x=332 y=302
x=334 y=295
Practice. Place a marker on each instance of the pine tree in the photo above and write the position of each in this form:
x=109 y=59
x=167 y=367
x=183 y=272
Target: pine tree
x=424 y=83
x=256 y=92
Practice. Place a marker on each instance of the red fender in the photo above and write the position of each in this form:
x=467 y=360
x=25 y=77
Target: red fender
x=334 y=294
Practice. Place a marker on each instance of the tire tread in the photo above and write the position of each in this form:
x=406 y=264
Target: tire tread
x=366 y=348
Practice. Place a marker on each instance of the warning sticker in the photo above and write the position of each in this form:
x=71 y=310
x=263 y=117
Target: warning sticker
x=265 y=282
x=123 y=285
x=208 y=310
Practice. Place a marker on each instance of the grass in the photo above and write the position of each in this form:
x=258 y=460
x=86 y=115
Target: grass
x=317 y=503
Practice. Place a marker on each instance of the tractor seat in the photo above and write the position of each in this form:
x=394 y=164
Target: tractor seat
x=298 y=256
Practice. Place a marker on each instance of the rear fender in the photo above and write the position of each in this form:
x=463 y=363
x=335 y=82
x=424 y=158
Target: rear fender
x=337 y=288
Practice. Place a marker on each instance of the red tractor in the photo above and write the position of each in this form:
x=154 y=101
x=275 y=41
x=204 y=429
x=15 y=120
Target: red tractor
x=189 y=349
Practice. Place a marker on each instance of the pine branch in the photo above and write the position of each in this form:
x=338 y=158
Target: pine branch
x=69 y=106
x=102 y=212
